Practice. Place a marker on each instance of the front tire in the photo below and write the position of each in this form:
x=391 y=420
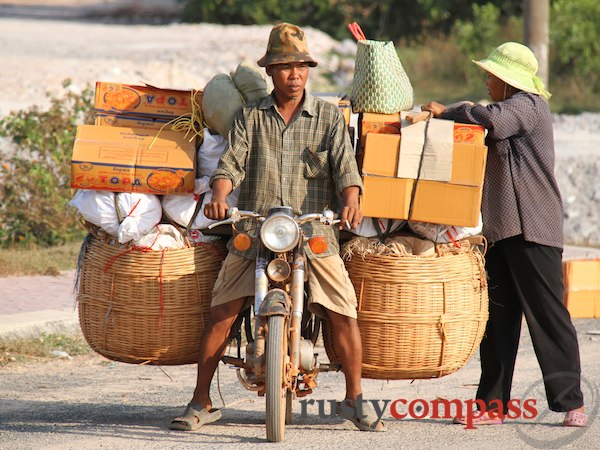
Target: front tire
x=276 y=352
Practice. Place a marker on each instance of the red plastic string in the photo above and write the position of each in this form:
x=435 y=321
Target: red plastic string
x=160 y=291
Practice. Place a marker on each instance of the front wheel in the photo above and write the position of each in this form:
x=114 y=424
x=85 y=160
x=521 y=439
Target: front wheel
x=276 y=352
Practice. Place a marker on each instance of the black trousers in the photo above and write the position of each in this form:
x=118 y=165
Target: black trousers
x=526 y=279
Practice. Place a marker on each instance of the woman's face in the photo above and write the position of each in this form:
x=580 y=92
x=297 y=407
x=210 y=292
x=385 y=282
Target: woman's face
x=497 y=89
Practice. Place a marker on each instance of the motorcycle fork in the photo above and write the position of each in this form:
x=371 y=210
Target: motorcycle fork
x=261 y=287
x=297 y=294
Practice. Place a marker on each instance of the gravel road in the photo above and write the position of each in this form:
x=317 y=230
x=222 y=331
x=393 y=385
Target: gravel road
x=91 y=403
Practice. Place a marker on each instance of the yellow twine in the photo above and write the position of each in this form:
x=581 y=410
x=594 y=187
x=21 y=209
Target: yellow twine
x=189 y=122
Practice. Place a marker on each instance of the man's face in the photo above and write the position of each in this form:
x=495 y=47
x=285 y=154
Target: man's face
x=289 y=79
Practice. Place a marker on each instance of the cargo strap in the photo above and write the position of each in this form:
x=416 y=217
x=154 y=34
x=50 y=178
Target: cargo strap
x=415 y=184
x=381 y=234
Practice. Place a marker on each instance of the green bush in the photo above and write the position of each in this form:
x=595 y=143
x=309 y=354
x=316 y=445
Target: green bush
x=35 y=173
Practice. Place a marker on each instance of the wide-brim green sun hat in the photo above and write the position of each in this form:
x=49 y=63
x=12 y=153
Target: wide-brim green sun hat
x=515 y=64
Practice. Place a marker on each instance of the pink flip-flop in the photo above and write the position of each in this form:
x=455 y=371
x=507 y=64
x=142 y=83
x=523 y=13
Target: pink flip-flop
x=484 y=419
x=576 y=419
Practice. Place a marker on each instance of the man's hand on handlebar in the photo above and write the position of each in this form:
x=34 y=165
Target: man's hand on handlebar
x=216 y=209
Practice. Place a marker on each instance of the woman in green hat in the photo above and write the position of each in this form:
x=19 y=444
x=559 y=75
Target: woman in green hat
x=523 y=223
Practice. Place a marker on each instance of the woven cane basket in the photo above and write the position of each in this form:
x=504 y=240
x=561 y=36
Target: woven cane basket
x=146 y=307
x=418 y=317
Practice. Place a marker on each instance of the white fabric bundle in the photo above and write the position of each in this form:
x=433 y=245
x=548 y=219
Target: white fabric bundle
x=443 y=234
x=140 y=212
x=180 y=208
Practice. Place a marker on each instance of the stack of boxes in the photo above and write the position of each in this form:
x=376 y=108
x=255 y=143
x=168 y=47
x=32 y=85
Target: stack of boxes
x=456 y=202
x=130 y=148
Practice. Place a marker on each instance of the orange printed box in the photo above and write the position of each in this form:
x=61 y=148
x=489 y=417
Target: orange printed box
x=122 y=159
x=392 y=124
x=143 y=101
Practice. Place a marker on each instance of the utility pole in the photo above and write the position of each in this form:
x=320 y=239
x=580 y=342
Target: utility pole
x=537 y=17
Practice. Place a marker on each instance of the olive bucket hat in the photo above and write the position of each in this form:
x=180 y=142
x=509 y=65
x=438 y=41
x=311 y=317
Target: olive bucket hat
x=515 y=64
x=287 y=44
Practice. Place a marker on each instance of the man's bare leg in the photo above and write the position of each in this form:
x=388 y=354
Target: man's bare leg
x=348 y=346
x=212 y=346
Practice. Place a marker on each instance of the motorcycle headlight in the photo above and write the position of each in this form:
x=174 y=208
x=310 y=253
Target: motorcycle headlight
x=280 y=233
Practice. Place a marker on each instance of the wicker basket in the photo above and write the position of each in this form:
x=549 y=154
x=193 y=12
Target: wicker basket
x=418 y=317
x=148 y=307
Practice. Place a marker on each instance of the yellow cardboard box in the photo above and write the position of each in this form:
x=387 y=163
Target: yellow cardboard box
x=581 y=278
x=143 y=101
x=457 y=202
x=122 y=159
x=392 y=123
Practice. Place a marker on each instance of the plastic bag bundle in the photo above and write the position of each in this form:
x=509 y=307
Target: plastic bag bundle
x=443 y=234
x=139 y=213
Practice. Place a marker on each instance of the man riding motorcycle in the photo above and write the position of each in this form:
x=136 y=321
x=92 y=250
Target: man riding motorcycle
x=288 y=149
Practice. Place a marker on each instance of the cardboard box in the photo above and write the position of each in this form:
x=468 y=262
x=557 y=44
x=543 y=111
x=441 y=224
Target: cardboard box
x=345 y=109
x=123 y=160
x=582 y=287
x=383 y=150
x=147 y=123
x=392 y=124
x=143 y=101
x=457 y=202
x=435 y=201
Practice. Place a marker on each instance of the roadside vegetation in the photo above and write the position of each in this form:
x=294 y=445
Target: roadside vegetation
x=22 y=349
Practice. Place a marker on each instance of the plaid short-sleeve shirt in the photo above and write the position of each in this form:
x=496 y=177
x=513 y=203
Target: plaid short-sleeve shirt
x=305 y=164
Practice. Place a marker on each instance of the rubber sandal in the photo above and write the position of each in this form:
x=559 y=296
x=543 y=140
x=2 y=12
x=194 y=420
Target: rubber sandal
x=484 y=419
x=194 y=417
x=576 y=419
x=370 y=421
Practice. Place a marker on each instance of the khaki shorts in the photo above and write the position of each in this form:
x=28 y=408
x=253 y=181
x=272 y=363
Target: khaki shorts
x=330 y=287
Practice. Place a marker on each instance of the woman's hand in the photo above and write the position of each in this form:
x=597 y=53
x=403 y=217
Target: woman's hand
x=434 y=107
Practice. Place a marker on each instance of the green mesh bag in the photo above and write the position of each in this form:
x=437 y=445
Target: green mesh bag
x=380 y=83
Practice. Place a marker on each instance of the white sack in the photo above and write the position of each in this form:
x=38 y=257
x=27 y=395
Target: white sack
x=368 y=224
x=140 y=212
x=210 y=152
x=180 y=208
x=162 y=236
x=443 y=234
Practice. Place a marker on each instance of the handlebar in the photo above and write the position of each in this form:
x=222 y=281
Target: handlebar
x=234 y=215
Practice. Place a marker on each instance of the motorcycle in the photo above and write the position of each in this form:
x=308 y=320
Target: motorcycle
x=279 y=362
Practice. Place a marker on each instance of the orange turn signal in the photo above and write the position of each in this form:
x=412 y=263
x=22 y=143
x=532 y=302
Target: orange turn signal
x=317 y=244
x=242 y=242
